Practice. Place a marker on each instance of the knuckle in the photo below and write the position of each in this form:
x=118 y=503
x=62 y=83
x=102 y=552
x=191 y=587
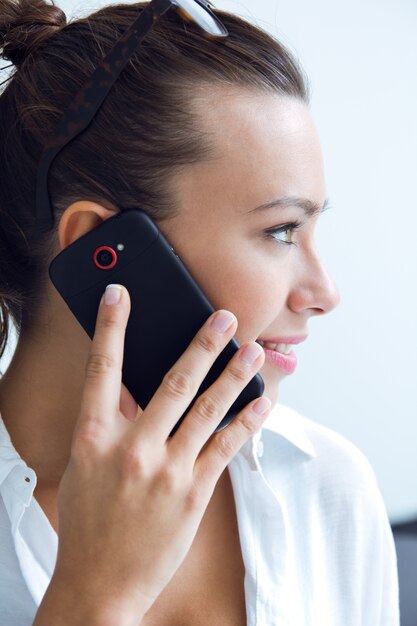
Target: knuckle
x=207 y=408
x=169 y=479
x=195 y=499
x=87 y=438
x=177 y=384
x=247 y=424
x=225 y=444
x=237 y=375
x=98 y=364
x=206 y=343
x=110 y=320
x=134 y=461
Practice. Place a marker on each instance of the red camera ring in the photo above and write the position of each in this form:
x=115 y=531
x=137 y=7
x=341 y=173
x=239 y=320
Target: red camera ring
x=112 y=252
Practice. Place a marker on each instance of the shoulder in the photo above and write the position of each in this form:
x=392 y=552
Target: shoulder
x=325 y=445
x=336 y=521
x=326 y=483
x=320 y=460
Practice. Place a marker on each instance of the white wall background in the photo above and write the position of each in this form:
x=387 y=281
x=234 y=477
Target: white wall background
x=358 y=372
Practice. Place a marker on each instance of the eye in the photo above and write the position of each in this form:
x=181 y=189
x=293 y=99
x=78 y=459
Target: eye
x=286 y=230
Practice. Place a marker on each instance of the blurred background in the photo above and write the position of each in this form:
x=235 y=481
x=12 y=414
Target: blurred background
x=357 y=373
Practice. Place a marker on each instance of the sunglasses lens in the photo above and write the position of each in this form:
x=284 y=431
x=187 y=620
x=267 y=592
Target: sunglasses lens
x=205 y=19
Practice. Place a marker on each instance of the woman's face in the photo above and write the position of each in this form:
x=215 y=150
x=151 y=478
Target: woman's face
x=267 y=148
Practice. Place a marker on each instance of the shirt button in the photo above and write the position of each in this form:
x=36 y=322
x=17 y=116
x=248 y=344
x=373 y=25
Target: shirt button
x=260 y=449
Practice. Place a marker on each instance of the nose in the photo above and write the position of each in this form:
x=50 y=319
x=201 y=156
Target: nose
x=314 y=290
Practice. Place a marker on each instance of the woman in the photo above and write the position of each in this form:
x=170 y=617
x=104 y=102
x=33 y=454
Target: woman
x=265 y=522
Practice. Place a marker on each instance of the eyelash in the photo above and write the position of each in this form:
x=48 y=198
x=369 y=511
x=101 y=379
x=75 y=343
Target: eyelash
x=292 y=227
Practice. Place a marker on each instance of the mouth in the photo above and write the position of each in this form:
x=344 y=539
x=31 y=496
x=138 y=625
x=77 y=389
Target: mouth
x=281 y=344
x=283 y=348
x=279 y=353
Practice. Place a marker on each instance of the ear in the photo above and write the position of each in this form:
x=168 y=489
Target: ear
x=79 y=218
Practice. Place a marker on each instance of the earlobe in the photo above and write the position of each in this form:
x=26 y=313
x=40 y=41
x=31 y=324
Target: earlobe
x=79 y=218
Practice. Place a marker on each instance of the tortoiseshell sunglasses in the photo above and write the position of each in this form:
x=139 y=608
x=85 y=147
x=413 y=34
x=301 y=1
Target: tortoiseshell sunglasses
x=88 y=100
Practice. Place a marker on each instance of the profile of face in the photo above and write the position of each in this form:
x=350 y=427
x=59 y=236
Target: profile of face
x=267 y=148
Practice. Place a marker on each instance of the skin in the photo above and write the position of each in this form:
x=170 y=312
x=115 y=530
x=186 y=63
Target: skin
x=270 y=148
x=266 y=147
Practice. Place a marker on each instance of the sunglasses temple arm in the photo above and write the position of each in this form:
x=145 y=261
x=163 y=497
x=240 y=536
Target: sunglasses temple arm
x=85 y=105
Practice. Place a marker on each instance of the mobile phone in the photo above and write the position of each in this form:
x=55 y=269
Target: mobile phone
x=168 y=307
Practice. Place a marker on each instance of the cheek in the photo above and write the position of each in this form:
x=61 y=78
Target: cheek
x=256 y=295
x=239 y=278
x=234 y=280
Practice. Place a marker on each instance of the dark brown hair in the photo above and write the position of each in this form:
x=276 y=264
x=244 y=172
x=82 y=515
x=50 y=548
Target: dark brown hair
x=144 y=132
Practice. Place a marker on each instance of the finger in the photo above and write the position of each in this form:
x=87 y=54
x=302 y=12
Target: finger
x=181 y=383
x=128 y=405
x=102 y=387
x=210 y=408
x=225 y=444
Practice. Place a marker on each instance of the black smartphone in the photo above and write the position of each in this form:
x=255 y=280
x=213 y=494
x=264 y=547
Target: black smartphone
x=168 y=307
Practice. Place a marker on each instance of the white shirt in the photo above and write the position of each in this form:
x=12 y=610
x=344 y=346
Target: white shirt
x=315 y=538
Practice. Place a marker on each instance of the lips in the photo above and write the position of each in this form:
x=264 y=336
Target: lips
x=284 y=348
x=292 y=340
x=285 y=360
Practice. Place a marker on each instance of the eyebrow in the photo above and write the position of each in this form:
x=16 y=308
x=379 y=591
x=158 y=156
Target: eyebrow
x=309 y=207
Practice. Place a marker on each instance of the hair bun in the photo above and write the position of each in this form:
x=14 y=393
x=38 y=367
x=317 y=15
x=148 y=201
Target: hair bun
x=25 y=25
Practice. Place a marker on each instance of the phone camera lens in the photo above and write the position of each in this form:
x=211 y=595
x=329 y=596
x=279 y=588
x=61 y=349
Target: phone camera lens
x=105 y=257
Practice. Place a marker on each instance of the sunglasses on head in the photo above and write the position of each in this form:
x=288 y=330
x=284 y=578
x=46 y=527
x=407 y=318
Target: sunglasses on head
x=77 y=117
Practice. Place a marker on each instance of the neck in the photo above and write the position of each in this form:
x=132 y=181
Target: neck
x=40 y=395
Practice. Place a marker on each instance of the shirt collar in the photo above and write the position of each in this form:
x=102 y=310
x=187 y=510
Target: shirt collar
x=282 y=421
x=9 y=457
x=285 y=424
x=289 y=424
x=15 y=476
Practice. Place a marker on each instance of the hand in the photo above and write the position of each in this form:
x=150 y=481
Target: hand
x=131 y=498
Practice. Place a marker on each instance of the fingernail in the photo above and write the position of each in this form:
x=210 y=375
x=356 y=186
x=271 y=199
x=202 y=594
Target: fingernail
x=251 y=353
x=262 y=405
x=222 y=321
x=112 y=294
